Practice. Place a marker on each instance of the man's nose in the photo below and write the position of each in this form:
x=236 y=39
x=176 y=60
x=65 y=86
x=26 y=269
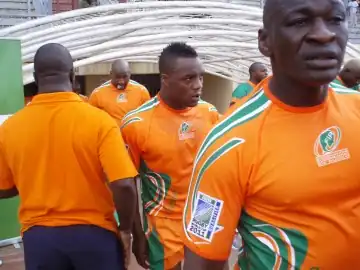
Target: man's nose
x=321 y=33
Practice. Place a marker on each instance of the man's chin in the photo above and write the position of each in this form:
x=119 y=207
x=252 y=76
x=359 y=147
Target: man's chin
x=319 y=77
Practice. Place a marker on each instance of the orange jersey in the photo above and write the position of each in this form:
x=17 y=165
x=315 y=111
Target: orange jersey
x=117 y=102
x=83 y=98
x=287 y=178
x=163 y=142
x=55 y=151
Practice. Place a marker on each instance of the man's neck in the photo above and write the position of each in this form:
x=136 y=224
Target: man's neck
x=54 y=88
x=165 y=98
x=253 y=81
x=295 y=94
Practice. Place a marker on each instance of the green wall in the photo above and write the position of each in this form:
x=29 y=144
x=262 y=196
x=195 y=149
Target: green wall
x=11 y=100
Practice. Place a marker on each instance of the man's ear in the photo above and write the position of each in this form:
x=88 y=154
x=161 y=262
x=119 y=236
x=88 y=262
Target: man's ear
x=164 y=79
x=264 y=43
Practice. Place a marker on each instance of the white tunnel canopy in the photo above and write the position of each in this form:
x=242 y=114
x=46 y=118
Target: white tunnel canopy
x=224 y=34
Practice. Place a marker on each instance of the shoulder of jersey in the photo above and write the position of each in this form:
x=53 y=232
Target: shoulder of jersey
x=103 y=86
x=340 y=89
x=138 y=85
x=244 y=113
x=131 y=82
x=207 y=105
x=140 y=113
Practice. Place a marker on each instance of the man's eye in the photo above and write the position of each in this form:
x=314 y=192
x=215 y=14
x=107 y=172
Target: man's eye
x=337 y=19
x=298 y=22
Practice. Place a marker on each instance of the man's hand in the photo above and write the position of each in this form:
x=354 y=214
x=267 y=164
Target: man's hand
x=126 y=239
x=141 y=250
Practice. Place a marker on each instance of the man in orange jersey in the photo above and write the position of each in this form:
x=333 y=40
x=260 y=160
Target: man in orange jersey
x=56 y=165
x=162 y=136
x=121 y=95
x=257 y=72
x=283 y=167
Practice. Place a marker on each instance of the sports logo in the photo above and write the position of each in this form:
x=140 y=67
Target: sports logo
x=186 y=131
x=121 y=98
x=325 y=147
x=204 y=220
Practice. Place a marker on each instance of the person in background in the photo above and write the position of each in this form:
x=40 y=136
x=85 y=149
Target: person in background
x=349 y=76
x=162 y=137
x=353 y=8
x=77 y=90
x=283 y=167
x=56 y=165
x=257 y=72
x=121 y=95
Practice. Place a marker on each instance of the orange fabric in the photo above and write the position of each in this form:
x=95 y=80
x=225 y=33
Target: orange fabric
x=119 y=102
x=288 y=176
x=84 y=98
x=167 y=233
x=163 y=143
x=166 y=141
x=55 y=151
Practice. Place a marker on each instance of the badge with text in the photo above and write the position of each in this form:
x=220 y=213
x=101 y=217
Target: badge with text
x=205 y=218
x=326 y=147
x=186 y=131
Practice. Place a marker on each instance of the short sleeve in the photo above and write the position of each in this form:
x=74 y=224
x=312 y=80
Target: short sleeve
x=214 y=201
x=6 y=179
x=93 y=99
x=112 y=152
x=133 y=138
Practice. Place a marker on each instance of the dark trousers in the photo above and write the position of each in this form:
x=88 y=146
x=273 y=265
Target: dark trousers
x=80 y=247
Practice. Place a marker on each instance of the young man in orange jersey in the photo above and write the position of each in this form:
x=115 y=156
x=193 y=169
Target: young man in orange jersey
x=120 y=95
x=283 y=167
x=56 y=164
x=162 y=136
x=257 y=72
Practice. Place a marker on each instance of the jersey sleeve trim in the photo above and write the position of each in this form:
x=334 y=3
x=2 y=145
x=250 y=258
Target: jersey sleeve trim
x=215 y=155
x=129 y=121
x=251 y=109
x=340 y=89
x=145 y=107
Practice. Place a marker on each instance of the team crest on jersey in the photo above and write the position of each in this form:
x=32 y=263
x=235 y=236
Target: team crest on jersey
x=121 y=98
x=204 y=220
x=186 y=131
x=326 y=147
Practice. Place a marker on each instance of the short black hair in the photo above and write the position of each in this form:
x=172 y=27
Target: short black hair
x=172 y=51
x=52 y=59
x=253 y=66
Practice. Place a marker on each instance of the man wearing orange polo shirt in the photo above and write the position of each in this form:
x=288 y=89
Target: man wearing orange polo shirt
x=56 y=165
x=121 y=95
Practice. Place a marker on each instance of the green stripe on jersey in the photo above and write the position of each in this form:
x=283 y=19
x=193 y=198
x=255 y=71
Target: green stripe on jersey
x=145 y=107
x=339 y=89
x=249 y=110
x=129 y=121
x=216 y=154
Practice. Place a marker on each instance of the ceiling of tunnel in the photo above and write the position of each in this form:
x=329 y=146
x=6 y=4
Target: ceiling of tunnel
x=224 y=34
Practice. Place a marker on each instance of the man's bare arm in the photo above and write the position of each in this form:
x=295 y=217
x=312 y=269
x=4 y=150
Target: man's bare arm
x=124 y=196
